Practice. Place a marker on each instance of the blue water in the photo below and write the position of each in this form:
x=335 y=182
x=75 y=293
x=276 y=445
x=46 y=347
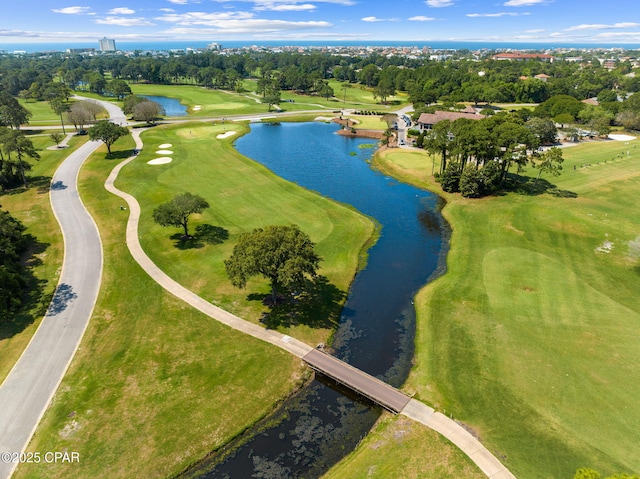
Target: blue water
x=442 y=45
x=319 y=426
x=172 y=106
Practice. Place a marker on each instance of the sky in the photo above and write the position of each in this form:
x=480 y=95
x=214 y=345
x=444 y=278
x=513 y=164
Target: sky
x=558 y=21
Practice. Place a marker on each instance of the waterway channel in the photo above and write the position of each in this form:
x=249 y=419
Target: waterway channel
x=321 y=424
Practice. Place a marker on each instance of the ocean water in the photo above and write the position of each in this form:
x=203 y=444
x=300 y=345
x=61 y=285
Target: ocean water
x=183 y=45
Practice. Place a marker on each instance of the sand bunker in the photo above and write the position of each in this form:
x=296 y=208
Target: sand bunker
x=197 y=108
x=622 y=137
x=160 y=161
x=165 y=145
x=226 y=134
x=164 y=152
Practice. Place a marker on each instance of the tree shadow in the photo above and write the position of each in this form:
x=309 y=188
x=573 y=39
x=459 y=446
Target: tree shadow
x=318 y=305
x=118 y=155
x=531 y=187
x=210 y=234
x=16 y=187
x=63 y=295
x=204 y=234
x=35 y=302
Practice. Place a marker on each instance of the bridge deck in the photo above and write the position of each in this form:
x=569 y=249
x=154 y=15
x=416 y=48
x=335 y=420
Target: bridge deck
x=376 y=390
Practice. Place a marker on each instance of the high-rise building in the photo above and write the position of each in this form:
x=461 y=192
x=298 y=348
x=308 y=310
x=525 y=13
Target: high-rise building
x=107 y=45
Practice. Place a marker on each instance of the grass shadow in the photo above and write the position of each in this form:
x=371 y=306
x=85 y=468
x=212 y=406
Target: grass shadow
x=318 y=305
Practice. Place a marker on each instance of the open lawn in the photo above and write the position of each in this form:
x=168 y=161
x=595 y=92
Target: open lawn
x=31 y=206
x=531 y=338
x=243 y=195
x=155 y=385
x=211 y=102
x=400 y=447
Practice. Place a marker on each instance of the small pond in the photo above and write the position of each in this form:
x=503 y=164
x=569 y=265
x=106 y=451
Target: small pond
x=172 y=106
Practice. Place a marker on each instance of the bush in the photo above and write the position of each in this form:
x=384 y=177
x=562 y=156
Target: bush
x=450 y=179
x=471 y=182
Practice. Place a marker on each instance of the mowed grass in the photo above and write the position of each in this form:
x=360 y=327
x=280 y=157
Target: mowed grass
x=243 y=195
x=155 y=384
x=32 y=207
x=211 y=102
x=400 y=447
x=531 y=338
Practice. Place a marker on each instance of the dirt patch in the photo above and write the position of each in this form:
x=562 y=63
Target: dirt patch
x=375 y=134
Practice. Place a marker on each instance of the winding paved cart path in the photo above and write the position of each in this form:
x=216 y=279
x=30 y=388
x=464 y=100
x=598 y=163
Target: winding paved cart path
x=357 y=380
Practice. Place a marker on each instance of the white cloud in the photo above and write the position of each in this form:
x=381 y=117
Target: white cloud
x=203 y=18
x=281 y=5
x=495 y=15
x=124 y=21
x=183 y=2
x=439 y=3
x=372 y=19
x=535 y=30
x=73 y=10
x=421 y=18
x=602 y=26
x=121 y=11
x=524 y=3
x=250 y=26
x=285 y=7
x=167 y=10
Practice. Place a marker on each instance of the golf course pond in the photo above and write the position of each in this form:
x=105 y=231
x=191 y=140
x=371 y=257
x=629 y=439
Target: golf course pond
x=315 y=429
x=172 y=106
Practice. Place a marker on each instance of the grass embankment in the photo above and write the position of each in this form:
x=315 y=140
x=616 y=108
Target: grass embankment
x=243 y=195
x=31 y=206
x=155 y=385
x=531 y=336
x=400 y=447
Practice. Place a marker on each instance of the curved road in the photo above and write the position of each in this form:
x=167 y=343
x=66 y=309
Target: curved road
x=28 y=389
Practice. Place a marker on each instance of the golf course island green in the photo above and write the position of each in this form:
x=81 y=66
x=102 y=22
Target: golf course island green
x=530 y=338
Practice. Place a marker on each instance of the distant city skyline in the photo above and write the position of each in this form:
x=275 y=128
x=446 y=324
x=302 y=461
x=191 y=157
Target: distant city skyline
x=559 y=21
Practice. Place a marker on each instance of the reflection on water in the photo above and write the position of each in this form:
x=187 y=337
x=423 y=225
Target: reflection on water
x=172 y=106
x=320 y=425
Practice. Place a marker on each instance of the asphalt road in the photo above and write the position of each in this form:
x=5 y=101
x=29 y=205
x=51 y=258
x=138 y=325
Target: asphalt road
x=28 y=389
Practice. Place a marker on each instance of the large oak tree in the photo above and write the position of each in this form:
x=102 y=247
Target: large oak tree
x=283 y=254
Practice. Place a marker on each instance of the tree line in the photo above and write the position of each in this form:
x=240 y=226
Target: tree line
x=476 y=156
x=13 y=284
x=427 y=81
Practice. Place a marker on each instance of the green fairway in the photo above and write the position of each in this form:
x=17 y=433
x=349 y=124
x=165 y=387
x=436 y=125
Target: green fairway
x=531 y=336
x=203 y=102
x=155 y=385
x=243 y=195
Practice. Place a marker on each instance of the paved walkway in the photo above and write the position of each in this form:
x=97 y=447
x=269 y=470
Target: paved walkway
x=28 y=389
x=413 y=409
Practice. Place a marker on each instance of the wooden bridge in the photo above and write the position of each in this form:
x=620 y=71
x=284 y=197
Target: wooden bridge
x=364 y=384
